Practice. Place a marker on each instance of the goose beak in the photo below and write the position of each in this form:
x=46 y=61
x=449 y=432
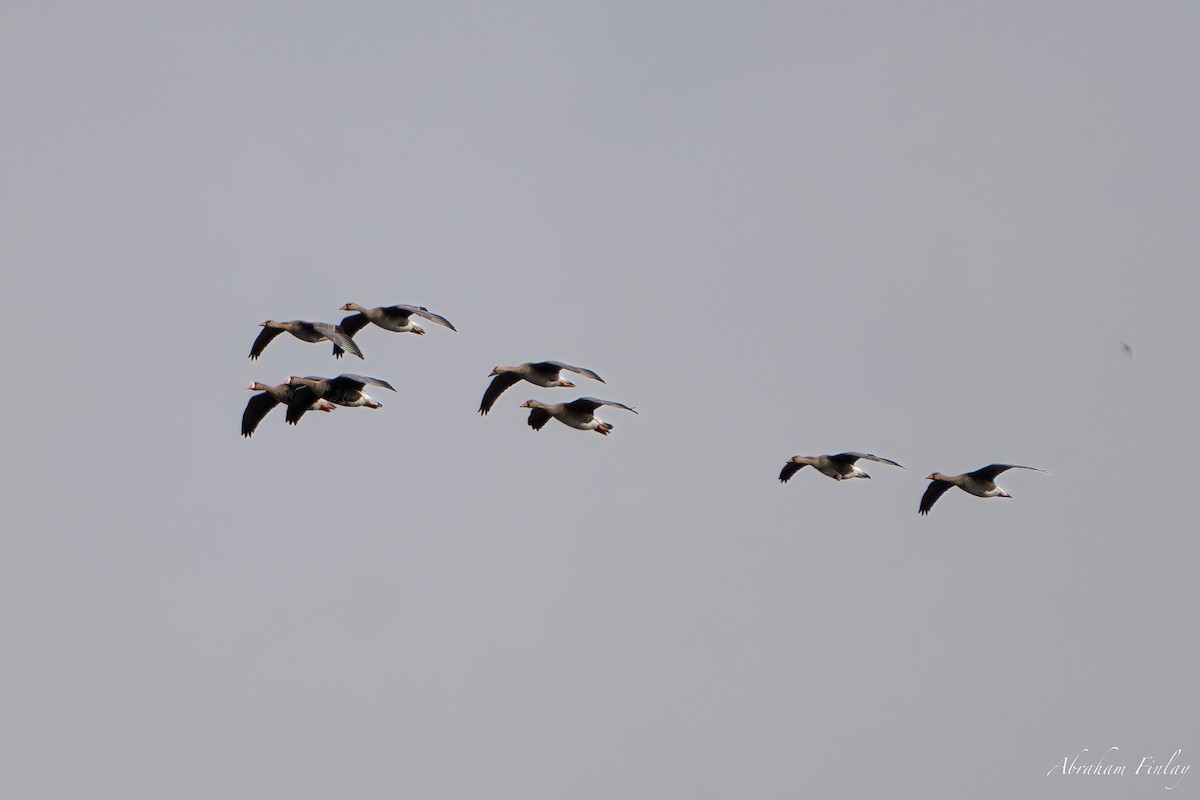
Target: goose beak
x=418 y=330
x=566 y=384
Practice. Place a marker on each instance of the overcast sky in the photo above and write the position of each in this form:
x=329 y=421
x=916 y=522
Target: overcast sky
x=920 y=230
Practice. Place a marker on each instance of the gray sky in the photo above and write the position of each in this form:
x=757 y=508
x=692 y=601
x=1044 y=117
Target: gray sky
x=920 y=230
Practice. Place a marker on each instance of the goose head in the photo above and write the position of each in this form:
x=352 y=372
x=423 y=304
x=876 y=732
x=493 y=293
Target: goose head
x=353 y=307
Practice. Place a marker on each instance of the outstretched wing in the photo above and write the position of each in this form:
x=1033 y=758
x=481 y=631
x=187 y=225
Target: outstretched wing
x=790 y=469
x=361 y=381
x=302 y=400
x=350 y=325
x=354 y=323
x=990 y=472
x=850 y=458
x=259 y=406
x=935 y=490
x=496 y=388
x=550 y=366
x=590 y=404
x=405 y=312
x=337 y=335
x=538 y=417
x=264 y=339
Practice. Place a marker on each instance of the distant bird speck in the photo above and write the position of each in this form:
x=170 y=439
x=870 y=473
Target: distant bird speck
x=1127 y=349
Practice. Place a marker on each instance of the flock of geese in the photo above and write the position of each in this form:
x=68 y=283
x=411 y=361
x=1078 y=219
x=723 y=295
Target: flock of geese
x=840 y=467
x=303 y=394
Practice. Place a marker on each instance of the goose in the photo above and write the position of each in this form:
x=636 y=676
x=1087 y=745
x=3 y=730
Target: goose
x=306 y=332
x=397 y=319
x=261 y=404
x=540 y=373
x=576 y=414
x=839 y=467
x=344 y=390
x=979 y=483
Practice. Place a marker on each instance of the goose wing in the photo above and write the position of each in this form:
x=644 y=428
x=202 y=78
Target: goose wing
x=259 y=406
x=552 y=366
x=264 y=339
x=337 y=335
x=302 y=400
x=538 y=417
x=850 y=458
x=590 y=404
x=990 y=472
x=421 y=311
x=790 y=469
x=354 y=323
x=496 y=388
x=932 y=492
x=350 y=325
x=359 y=381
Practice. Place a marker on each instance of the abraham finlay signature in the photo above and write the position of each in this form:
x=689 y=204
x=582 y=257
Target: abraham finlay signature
x=1111 y=763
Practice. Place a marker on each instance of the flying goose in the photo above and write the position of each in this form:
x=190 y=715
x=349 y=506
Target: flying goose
x=539 y=373
x=839 y=467
x=261 y=404
x=305 y=332
x=576 y=414
x=979 y=483
x=397 y=319
x=344 y=390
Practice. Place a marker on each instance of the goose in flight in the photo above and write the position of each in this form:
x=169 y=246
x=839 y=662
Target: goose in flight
x=979 y=483
x=270 y=396
x=577 y=414
x=540 y=373
x=839 y=467
x=397 y=319
x=305 y=332
x=344 y=390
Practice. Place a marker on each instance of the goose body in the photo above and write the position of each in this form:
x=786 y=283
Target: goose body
x=840 y=466
x=981 y=483
x=578 y=414
x=305 y=331
x=547 y=374
x=398 y=319
x=344 y=390
x=270 y=396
